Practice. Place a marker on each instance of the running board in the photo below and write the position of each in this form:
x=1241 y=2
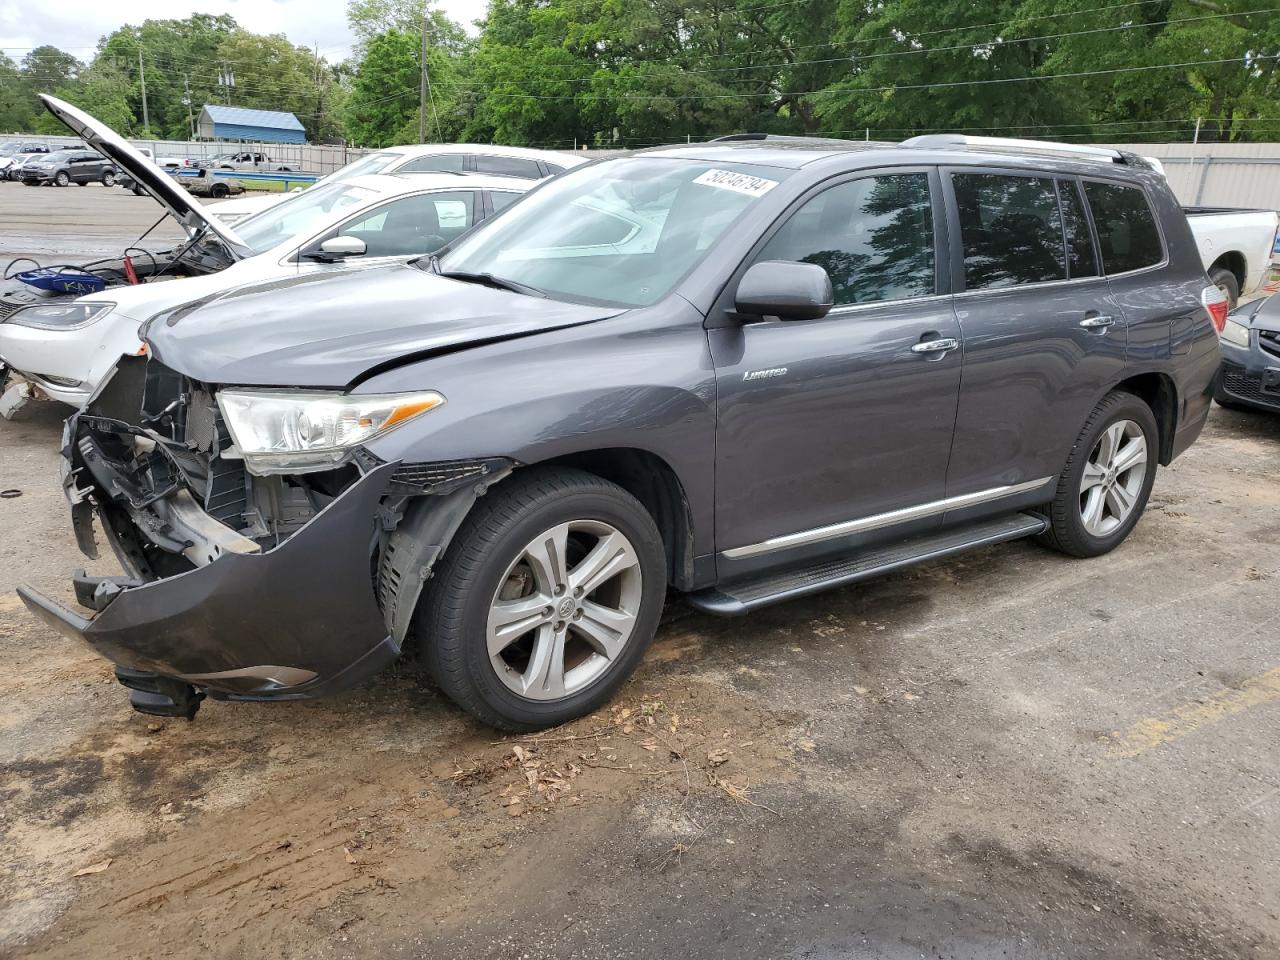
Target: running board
x=742 y=596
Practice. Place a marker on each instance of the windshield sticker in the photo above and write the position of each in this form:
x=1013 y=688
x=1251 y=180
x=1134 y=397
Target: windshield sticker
x=737 y=182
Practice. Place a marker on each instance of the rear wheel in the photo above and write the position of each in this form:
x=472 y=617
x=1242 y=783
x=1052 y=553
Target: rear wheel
x=1107 y=480
x=546 y=600
x=219 y=191
x=61 y=178
x=108 y=178
x=1226 y=281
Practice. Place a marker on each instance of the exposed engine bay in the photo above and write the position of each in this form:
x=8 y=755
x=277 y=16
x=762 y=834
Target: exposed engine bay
x=27 y=282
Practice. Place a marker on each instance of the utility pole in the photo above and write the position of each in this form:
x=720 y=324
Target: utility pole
x=319 y=98
x=422 y=84
x=191 y=123
x=142 y=75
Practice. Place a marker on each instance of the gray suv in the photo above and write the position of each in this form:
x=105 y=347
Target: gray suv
x=747 y=371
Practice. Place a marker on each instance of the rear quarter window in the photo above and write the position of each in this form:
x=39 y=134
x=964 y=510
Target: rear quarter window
x=1127 y=233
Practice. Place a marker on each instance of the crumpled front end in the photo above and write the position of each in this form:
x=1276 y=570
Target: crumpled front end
x=237 y=586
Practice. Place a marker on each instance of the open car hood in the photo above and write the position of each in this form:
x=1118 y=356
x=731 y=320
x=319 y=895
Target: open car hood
x=336 y=329
x=146 y=174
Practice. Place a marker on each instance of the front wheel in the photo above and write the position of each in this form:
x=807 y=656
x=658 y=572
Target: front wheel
x=1107 y=480
x=546 y=600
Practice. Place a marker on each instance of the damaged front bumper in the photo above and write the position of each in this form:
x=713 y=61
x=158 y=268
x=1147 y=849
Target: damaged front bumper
x=298 y=620
x=298 y=588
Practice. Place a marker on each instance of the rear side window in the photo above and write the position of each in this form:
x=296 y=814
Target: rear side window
x=508 y=167
x=1127 y=232
x=1010 y=230
x=442 y=163
x=1081 y=260
x=873 y=236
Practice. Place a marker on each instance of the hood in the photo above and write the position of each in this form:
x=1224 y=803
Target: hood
x=1259 y=314
x=145 y=173
x=337 y=329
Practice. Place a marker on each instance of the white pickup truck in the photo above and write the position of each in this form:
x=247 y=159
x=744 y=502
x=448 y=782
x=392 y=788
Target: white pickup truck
x=1235 y=246
x=244 y=161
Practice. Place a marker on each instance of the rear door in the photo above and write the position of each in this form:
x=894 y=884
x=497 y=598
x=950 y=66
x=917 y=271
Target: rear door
x=828 y=428
x=1042 y=332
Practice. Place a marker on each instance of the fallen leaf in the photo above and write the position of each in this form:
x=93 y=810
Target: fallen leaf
x=351 y=857
x=626 y=727
x=717 y=757
x=95 y=868
x=626 y=712
x=519 y=752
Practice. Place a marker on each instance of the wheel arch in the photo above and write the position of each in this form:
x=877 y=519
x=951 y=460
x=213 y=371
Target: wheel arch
x=1160 y=393
x=1234 y=262
x=652 y=481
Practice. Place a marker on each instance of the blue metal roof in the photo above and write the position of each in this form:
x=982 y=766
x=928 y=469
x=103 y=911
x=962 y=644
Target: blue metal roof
x=241 y=123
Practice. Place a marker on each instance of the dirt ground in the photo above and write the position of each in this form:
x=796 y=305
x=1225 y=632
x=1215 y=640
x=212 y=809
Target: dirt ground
x=1009 y=754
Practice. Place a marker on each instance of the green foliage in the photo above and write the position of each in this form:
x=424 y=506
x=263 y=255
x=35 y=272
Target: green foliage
x=634 y=72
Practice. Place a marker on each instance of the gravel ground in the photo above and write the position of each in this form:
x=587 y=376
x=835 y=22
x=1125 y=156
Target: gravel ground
x=1008 y=754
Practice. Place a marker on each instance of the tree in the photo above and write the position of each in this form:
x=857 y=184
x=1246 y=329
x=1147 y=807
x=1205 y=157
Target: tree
x=17 y=102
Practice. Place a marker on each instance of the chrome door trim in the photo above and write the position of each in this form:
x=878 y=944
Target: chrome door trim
x=881 y=520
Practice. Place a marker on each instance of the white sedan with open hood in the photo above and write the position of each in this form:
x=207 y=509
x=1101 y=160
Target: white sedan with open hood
x=62 y=330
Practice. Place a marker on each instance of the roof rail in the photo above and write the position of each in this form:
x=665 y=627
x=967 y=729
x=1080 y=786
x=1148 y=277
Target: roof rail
x=951 y=141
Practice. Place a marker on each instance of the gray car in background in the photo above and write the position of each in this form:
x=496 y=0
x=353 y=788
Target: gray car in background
x=747 y=371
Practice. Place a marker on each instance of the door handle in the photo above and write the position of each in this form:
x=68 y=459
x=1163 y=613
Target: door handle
x=941 y=345
x=1097 y=322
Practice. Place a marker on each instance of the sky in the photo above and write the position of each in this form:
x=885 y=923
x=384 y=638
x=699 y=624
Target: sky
x=76 y=25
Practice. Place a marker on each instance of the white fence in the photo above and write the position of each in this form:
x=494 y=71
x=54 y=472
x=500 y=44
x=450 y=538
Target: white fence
x=1218 y=174
x=1207 y=174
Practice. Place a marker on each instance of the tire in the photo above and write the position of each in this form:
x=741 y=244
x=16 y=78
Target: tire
x=82 y=183
x=1069 y=532
x=488 y=556
x=137 y=191
x=108 y=178
x=1226 y=281
x=61 y=178
x=219 y=191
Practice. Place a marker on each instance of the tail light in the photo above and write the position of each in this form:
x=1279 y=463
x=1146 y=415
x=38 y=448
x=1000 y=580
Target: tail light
x=1217 y=304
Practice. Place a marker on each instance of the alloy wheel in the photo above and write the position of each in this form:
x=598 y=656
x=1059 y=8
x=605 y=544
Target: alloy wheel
x=1113 y=478
x=565 y=610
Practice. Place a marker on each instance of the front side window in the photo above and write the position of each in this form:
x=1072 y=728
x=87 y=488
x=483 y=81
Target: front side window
x=1127 y=231
x=1010 y=230
x=873 y=236
x=277 y=224
x=619 y=232
x=412 y=226
x=441 y=163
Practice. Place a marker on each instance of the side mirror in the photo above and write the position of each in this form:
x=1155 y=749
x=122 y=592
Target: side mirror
x=786 y=290
x=339 y=248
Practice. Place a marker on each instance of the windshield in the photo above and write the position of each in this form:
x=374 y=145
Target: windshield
x=277 y=224
x=373 y=163
x=620 y=232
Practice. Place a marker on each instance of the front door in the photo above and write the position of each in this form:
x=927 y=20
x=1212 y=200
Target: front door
x=827 y=428
x=1043 y=334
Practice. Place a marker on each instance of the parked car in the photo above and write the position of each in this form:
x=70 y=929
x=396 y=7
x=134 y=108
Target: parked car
x=202 y=183
x=168 y=164
x=494 y=159
x=1250 y=372
x=828 y=363
x=59 y=348
x=1235 y=247
x=244 y=161
x=65 y=167
x=13 y=155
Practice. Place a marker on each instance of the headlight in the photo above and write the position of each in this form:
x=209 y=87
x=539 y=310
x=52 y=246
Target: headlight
x=291 y=431
x=60 y=316
x=1236 y=333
